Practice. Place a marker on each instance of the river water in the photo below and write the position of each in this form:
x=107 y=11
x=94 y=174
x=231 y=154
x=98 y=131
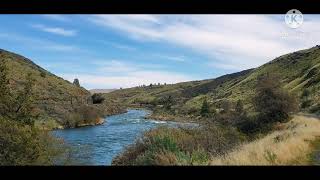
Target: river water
x=98 y=145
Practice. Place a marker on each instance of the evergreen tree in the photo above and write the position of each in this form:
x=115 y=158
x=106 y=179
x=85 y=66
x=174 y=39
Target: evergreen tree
x=204 y=108
x=168 y=102
x=76 y=82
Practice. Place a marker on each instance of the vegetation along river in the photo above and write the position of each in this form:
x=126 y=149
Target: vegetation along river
x=98 y=145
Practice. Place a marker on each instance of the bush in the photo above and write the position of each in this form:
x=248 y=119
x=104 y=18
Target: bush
x=306 y=103
x=26 y=145
x=205 y=108
x=272 y=102
x=43 y=74
x=97 y=98
x=183 y=146
x=84 y=114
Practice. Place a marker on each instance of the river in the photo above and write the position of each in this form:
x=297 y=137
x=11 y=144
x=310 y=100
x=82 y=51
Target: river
x=98 y=145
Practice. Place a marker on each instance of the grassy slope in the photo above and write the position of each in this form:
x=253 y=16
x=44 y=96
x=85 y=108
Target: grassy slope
x=298 y=71
x=52 y=94
x=290 y=144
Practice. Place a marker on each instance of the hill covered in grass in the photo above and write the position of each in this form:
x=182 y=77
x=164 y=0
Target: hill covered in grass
x=299 y=73
x=57 y=102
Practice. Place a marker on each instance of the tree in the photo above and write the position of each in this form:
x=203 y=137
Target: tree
x=22 y=143
x=26 y=145
x=16 y=106
x=306 y=100
x=305 y=93
x=204 y=108
x=24 y=103
x=76 y=82
x=271 y=101
x=168 y=102
x=97 y=98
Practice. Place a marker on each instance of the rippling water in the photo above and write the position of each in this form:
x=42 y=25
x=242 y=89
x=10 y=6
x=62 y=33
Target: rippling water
x=97 y=145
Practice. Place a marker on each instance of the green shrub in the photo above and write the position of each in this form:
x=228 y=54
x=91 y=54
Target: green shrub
x=26 y=145
x=182 y=146
x=43 y=74
x=84 y=114
x=306 y=103
x=272 y=102
x=97 y=98
x=205 y=108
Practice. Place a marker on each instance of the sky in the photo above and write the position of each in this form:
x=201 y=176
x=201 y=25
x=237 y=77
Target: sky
x=113 y=51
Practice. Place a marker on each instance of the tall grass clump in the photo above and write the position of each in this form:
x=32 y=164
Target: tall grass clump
x=180 y=146
x=289 y=144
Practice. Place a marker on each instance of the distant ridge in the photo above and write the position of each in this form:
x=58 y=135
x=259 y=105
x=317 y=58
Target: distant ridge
x=92 y=91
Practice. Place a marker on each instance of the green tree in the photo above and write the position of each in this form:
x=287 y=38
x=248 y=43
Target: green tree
x=97 y=98
x=26 y=145
x=168 y=101
x=204 y=108
x=271 y=101
x=22 y=143
x=76 y=82
x=305 y=93
x=16 y=106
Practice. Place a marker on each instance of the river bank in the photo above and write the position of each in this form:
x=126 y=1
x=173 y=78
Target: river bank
x=97 y=145
x=51 y=124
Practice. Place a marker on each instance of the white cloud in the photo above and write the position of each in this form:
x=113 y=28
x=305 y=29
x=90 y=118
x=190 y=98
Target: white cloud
x=55 y=30
x=139 y=26
x=130 y=79
x=38 y=44
x=171 y=57
x=119 y=73
x=56 y=17
x=114 y=66
x=244 y=41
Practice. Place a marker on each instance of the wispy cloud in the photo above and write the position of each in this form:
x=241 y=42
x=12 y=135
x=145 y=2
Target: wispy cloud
x=139 y=26
x=117 y=45
x=115 y=66
x=38 y=44
x=119 y=73
x=230 y=40
x=171 y=57
x=55 y=30
x=127 y=80
x=56 y=17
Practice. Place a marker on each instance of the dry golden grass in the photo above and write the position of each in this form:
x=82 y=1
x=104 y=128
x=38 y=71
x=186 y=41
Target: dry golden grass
x=288 y=145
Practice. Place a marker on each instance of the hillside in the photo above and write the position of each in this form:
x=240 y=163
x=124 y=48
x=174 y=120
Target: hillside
x=92 y=91
x=299 y=73
x=56 y=100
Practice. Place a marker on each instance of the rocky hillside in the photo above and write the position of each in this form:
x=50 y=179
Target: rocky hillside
x=299 y=73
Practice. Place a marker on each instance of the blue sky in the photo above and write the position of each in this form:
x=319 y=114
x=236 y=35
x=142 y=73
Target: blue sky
x=112 y=51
